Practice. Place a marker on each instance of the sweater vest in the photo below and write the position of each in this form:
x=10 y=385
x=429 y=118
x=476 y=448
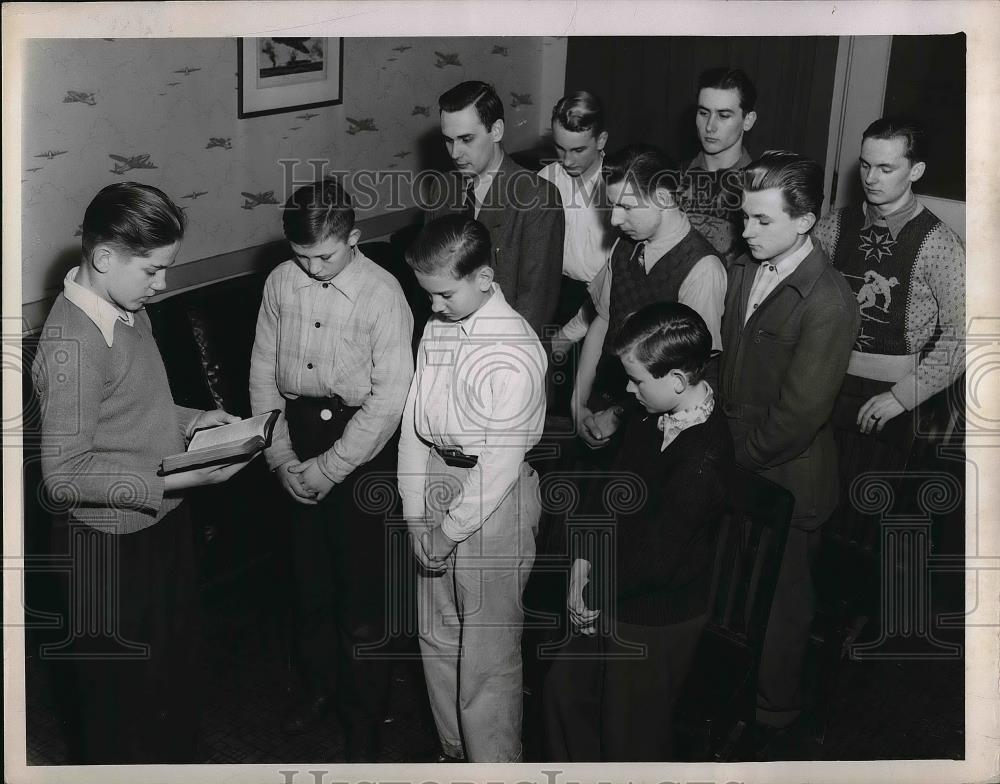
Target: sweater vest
x=632 y=288
x=878 y=270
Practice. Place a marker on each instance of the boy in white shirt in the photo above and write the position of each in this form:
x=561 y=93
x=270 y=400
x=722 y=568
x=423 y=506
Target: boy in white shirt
x=475 y=407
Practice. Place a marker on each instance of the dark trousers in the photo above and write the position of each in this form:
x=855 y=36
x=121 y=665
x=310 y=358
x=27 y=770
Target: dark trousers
x=859 y=453
x=128 y=660
x=572 y=294
x=605 y=703
x=779 y=682
x=339 y=553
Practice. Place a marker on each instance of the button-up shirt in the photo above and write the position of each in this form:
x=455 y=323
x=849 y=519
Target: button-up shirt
x=896 y=220
x=479 y=386
x=589 y=235
x=349 y=336
x=97 y=309
x=770 y=275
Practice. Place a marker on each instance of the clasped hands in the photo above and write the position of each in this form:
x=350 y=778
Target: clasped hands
x=580 y=617
x=304 y=481
x=431 y=546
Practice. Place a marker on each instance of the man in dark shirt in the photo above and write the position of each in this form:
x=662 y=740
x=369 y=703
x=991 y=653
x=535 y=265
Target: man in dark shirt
x=711 y=192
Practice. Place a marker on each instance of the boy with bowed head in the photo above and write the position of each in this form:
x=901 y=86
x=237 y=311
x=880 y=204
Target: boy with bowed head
x=475 y=407
x=108 y=420
x=332 y=352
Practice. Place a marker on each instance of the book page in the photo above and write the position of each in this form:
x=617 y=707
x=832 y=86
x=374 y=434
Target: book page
x=226 y=434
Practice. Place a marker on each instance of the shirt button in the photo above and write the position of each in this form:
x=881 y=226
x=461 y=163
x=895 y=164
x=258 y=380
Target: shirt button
x=326 y=415
x=317 y=325
x=310 y=365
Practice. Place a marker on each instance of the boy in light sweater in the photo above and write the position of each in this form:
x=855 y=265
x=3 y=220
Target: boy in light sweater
x=108 y=420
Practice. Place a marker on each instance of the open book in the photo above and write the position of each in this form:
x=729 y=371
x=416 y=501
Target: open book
x=224 y=444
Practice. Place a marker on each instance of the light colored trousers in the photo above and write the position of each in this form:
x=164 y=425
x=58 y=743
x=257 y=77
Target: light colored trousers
x=471 y=618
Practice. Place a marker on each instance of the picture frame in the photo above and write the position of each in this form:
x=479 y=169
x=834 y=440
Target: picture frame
x=277 y=75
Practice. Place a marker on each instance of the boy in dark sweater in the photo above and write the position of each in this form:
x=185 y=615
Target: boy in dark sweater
x=610 y=693
x=108 y=419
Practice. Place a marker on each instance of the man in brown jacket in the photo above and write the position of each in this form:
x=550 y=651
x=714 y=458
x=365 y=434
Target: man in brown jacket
x=522 y=212
x=789 y=325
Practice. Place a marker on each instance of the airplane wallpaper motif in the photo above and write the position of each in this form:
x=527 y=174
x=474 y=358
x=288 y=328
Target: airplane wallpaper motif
x=72 y=96
x=50 y=154
x=521 y=99
x=125 y=164
x=446 y=59
x=218 y=141
x=257 y=199
x=357 y=126
x=424 y=110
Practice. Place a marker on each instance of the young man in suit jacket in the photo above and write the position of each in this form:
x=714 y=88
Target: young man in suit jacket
x=788 y=330
x=522 y=212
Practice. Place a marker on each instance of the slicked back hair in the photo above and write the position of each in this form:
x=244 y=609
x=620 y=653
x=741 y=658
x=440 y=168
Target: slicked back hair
x=799 y=178
x=132 y=217
x=580 y=111
x=314 y=213
x=488 y=105
x=453 y=243
x=905 y=128
x=666 y=336
x=725 y=78
x=642 y=167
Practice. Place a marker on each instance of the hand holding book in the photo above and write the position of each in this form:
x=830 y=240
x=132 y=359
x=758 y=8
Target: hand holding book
x=223 y=445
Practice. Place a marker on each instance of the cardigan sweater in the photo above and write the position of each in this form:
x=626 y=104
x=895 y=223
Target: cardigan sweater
x=654 y=569
x=908 y=275
x=108 y=419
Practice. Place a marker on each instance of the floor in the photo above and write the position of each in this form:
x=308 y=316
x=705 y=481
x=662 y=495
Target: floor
x=896 y=709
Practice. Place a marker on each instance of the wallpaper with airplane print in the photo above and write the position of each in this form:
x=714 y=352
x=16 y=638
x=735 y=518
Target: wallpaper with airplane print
x=164 y=112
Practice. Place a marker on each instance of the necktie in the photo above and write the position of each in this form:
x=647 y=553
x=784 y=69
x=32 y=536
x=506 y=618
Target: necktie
x=640 y=255
x=469 y=205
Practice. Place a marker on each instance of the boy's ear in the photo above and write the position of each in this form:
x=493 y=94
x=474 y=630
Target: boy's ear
x=664 y=199
x=354 y=237
x=748 y=121
x=101 y=258
x=602 y=140
x=680 y=380
x=484 y=278
x=804 y=223
x=496 y=132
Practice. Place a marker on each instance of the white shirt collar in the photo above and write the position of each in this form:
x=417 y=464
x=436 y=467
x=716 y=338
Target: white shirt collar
x=657 y=248
x=484 y=182
x=99 y=310
x=788 y=264
x=491 y=309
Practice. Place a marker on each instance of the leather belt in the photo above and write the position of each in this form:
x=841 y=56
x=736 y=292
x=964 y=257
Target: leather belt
x=455 y=457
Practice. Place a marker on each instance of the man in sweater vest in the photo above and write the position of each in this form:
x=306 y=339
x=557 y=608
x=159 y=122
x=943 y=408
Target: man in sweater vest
x=711 y=187
x=522 y=212
x=659 y=257
x=907 y=271
x=789 y=325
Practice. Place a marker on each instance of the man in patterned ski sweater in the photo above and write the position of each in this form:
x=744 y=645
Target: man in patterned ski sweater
x=907 y=269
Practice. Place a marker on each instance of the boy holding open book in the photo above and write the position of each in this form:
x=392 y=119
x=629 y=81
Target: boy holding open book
x=108 y=420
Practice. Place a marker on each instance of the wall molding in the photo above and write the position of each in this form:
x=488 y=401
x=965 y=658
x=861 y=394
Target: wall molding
x=203 y=272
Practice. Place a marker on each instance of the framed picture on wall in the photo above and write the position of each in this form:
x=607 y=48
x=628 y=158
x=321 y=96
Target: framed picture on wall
x=288 y=74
